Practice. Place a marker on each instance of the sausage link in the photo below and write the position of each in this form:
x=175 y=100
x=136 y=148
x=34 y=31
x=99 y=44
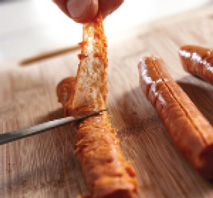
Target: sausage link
x=98 y=150
x=191 y=133
x=197 y=61
x=107 y=172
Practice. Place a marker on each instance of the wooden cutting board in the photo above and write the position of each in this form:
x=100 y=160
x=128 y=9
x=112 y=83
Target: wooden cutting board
x=45 y=166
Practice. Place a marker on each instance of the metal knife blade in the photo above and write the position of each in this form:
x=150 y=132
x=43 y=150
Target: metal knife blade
x=36 y=129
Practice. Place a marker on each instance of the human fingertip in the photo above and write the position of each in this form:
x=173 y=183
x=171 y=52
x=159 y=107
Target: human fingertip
x=82 y=11
x=62 y=4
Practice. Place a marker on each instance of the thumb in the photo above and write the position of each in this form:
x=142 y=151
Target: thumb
x=82 y=10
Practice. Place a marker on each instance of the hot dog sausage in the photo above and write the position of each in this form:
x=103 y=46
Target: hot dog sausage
x=107 y=172
x=190 y=132
x=197 y=61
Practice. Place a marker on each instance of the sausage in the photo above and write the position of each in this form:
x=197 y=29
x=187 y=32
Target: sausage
x=98 y=150
x=197 y=61
x=190 y=132
x=107 y=172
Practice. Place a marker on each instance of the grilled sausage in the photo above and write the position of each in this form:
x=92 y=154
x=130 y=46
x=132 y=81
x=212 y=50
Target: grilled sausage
x=107 y=172
x=197 y=61
x=190 y=132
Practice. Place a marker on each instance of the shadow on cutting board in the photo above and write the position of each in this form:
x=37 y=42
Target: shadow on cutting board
x=52 y=166
x=201 y=94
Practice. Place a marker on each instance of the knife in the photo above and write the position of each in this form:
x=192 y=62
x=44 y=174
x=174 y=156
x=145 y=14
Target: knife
x=36 y=129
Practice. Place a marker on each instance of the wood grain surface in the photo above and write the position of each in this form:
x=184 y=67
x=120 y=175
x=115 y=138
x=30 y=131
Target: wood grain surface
x=45 y=165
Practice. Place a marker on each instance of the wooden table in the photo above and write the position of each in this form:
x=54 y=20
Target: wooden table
x=45 y=166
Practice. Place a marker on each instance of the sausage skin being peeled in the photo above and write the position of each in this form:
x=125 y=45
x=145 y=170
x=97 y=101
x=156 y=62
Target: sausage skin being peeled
x=190 y=132
x=108 y=173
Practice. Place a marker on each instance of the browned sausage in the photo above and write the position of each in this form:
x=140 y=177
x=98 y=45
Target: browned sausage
x=191 y=133
x=197 y=61
x=107 y=172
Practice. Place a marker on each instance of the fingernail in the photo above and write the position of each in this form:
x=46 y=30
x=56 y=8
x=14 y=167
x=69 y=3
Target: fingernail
x=78 y=8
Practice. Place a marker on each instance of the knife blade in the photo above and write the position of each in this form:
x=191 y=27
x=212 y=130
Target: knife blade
x=36 y=129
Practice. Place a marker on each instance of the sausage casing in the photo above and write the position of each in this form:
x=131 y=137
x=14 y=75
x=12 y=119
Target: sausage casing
x=191 y=133
x=197 y=61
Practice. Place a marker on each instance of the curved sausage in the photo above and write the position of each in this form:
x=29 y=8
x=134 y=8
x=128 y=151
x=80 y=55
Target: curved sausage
x=190 y=132
x=197 y=61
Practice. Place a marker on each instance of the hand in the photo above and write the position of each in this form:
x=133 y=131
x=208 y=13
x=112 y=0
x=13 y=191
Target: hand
x=83 y=11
